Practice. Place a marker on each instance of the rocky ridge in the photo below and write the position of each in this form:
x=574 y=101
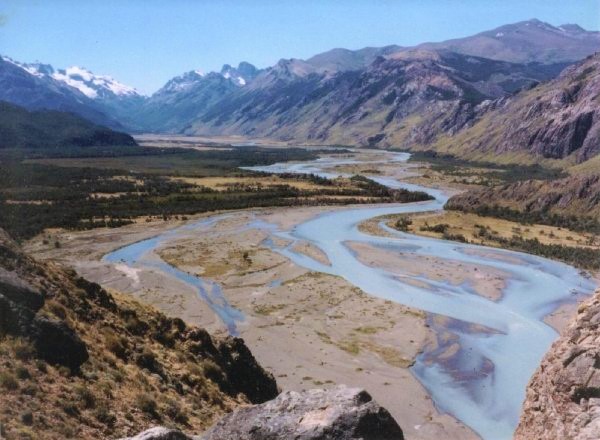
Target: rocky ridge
x=563 y=396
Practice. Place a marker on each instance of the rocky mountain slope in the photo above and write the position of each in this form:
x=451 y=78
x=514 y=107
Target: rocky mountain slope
x=391 y=96
x=80 y=362
x=563 y=396
x=20 y=128
x=525 y=42
x=378 y=105
x=184 y=98
x=573 y=195
x=558 y=119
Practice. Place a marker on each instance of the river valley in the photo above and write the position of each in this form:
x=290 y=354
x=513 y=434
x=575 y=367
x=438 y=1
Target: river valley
x=471 y=318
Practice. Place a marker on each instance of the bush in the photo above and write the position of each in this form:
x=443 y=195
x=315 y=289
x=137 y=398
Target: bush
x=27 y=418
x=8 y=381
x=403 y=223
x=86 y=397
x=175 y=412
x=22 y=373
x=103 y=415
x=147 y=359
x=212 y=371
x=23 y=350
x=41 y=366
x=117 y=345
x=440 y=228
x=147 y=404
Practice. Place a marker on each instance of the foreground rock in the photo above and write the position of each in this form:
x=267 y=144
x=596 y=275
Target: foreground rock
x=341 y=413
x=338 y=414
x=563 y=397
x=160 y=433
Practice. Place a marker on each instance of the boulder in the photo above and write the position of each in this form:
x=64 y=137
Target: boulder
x=57 y=343
x=160 y=433
x=340 y=413
x=19 y=302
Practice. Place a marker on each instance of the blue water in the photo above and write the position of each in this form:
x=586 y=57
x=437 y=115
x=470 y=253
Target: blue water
x=501 y=342
x=140 y=255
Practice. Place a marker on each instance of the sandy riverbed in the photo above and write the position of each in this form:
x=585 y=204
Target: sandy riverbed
x=310 y=329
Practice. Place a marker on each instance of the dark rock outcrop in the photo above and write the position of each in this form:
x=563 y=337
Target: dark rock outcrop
x=57 y=343
x=54 y=340
x=19 y=302
x=243 y=372
x=338 y=414
x=563 y=396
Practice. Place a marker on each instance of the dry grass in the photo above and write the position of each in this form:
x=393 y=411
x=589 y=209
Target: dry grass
x=468 y=226
x=223 y=183
x=131 y=381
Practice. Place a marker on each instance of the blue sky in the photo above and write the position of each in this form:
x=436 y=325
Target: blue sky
x=143 y=43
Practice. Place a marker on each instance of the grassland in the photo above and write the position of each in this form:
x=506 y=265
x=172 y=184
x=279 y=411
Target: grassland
x=117 y=186
x=577 y=248
x=482 y=172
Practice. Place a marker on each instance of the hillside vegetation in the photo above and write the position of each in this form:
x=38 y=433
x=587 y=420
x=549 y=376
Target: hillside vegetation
x=80 y=362
x=20 y=128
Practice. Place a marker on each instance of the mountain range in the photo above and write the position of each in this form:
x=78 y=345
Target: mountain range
x=392 y=96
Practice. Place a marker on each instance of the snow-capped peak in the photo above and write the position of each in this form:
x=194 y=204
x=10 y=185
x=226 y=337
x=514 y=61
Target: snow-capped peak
x=239 y=76
x=91 y=85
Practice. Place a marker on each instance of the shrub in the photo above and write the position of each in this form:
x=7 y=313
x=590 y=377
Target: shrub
x=27 y=418
x=22 y=372
x=69 y=408
x=212 y=370
x=147 y=359
x=175 y=412
x=41 y=366
x=86 y=396
x=147 y=404
x=403 y=223
x=57 y=309
x=8 y=381
x=116 y=345
x=103 y=415
x=23 y=350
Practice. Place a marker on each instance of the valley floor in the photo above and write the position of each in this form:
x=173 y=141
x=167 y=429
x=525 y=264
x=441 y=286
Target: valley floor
x=309 y=329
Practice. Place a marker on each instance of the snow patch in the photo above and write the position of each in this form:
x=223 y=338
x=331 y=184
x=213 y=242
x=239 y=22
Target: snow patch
x=500 y=34
x=77 y=84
